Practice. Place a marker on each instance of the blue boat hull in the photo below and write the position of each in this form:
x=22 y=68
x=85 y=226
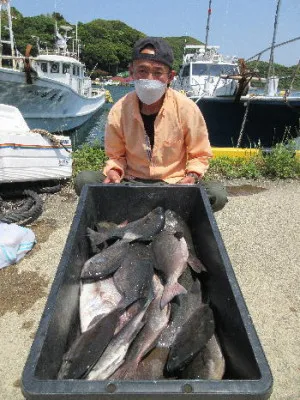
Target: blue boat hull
x=268 y=120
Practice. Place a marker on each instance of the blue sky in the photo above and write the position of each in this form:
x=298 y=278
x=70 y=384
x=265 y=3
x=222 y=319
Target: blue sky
x=239 y=27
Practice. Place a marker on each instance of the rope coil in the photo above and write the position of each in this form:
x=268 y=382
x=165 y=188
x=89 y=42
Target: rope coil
x=53 y=139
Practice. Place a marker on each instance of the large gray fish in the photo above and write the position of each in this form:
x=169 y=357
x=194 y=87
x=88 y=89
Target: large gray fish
x=209 y=363
x=152 y=366
x=105 y=263
x=97 y=299
x=156 y=321
x=141 y=229
x=134 y=278
x=171 y=255
x=89 y=346
x=181 y=312
x=191 y=338
x=174 y=223
x=114 y=354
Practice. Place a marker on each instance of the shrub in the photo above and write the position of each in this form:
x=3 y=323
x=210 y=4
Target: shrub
x=88 y=157
x=280 y=163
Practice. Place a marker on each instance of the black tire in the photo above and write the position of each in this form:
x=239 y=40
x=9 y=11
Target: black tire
x=28 y=213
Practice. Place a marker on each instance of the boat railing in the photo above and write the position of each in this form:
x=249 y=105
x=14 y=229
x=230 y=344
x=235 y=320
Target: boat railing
x=12 y=62
x=54 y=52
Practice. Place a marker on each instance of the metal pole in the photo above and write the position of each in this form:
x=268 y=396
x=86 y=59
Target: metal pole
x=207 y=24
x=11 y=35
x=271 y=61
x=76 y=41
x=0 y=34
x=294 y=76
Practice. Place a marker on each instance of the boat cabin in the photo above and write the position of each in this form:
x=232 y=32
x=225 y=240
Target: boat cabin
x=206 y=68
x=204 y=72
x=65 y=70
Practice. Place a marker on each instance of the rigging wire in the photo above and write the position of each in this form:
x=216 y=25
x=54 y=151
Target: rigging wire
x=268 y=48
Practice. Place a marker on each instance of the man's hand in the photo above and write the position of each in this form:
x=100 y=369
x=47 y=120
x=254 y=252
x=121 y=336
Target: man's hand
x=190 y=179
x=187 y=180
x=112 y=176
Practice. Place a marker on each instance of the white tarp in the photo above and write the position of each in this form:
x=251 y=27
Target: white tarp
x=15 y=242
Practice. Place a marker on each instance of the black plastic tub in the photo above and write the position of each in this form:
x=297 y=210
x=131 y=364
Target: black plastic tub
x=248 y=375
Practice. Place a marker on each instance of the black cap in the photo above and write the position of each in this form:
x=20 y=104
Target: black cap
x=163 y=52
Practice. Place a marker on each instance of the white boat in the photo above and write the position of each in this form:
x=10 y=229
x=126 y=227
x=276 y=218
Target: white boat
x=26 y=155
x=51 y=90
x=237 y=116
x=206 y=72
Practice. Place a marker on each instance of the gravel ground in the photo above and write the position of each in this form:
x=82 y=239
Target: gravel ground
x=260 y=229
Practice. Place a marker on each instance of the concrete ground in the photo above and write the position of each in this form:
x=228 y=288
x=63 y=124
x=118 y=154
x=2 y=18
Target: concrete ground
x=260 y=229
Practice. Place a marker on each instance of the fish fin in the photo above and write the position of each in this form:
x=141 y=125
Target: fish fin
x=196 y=264
x=126 y=302
x=196 y=286
x=122 y=224
x=170 y=292
x=96 y=238
x=179 y=235
x=126 y=371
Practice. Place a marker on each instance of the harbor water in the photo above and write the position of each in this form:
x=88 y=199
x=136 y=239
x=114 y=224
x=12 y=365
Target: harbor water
x=93 y=129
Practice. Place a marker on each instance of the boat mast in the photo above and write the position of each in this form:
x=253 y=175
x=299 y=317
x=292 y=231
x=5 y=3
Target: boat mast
x=11 y=35
x=207 y=24
x=271 y=60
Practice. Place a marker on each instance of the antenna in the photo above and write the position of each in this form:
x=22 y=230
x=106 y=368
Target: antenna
x=207 y=24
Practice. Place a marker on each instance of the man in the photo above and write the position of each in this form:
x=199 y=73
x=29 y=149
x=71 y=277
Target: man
x=155 y=134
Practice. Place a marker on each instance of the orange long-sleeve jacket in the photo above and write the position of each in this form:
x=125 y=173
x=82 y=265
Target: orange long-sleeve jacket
x=181 y=143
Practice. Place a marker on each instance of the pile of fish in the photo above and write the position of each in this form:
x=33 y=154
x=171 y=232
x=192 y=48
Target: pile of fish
x=142 y=314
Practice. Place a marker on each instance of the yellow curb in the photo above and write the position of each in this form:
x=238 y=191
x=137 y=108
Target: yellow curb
x=234 y=152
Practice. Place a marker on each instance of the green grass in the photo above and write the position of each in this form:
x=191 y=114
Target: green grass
x=279 y=163
x=88 y=157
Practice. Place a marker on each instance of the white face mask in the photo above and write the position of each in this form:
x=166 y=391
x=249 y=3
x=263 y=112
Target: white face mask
x=149 y=90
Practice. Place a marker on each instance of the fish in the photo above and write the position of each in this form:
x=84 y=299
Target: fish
x=103 y=226
x=171 y=255
x=175 y=223
x=134 y=277
x=105 y=263
x=152 y=366
x=209 y=363
x=156 y=321
x=182 y=310
x=106 y=225
x=192 y=337
x=97 y=299
x=142 y=229
x=86 y=350
x=115 y=352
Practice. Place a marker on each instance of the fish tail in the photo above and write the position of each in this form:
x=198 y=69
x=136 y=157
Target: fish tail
x=97 y=238
x=170 y=292
x=196 y=264
x=126 y=371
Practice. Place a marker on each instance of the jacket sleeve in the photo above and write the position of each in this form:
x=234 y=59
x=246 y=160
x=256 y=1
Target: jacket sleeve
x=196 y=140
x=115 y=143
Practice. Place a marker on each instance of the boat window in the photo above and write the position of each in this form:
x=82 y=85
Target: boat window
x=217 y=70
x=66 y=68
x=75 y=70
x=44 y=67
x=199 y=69
x=186 y=71
x=55 y=68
